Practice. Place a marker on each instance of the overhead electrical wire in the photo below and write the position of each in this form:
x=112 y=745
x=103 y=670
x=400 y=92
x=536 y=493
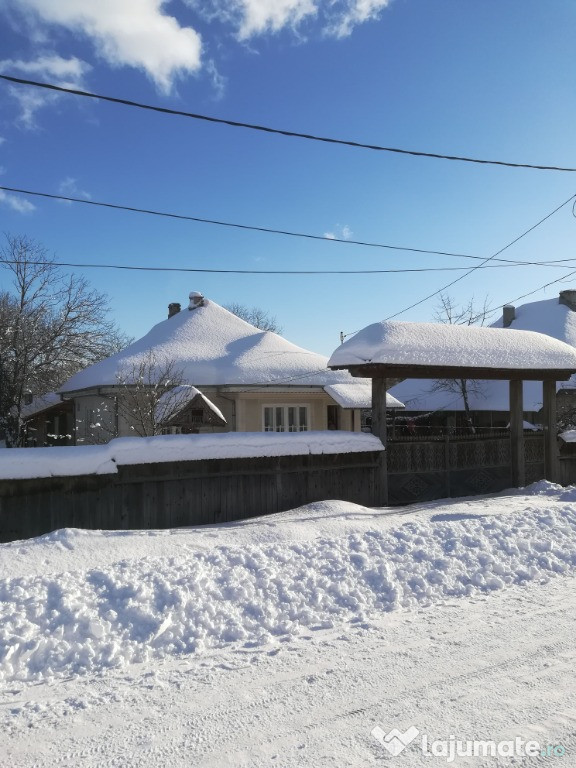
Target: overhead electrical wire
x=288 y=233
x=478 y=266
x=283 y=271
x=233 y=225
x=277 y=131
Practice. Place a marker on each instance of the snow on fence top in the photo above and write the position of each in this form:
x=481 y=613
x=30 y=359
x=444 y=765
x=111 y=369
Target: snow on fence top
x=453 y=346
x=21 y=463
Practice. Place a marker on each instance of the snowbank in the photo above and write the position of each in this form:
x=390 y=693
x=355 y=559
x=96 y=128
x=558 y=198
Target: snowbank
x=213 y=588
x=20 y=463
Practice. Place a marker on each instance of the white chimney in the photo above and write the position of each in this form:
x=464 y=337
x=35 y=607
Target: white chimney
x=196 y=300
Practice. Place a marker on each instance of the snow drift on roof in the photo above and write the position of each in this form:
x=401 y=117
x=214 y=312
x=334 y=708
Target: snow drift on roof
x=211 y=346
x=40 y=403
x=434 y=344
x=548 y=316
x=357 y=395
x=177 y=398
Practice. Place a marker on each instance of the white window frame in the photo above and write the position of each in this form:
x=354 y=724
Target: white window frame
x=285 y=417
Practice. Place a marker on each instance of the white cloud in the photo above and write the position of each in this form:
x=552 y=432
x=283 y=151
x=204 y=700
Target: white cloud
x=253 y=18
x=353 y=12
x=16 y=203
x=261 y=16
x=134 y=33
x=219 y=82
x=69 y=188
x=67 y=70
x=67 y=73
x=340 y=233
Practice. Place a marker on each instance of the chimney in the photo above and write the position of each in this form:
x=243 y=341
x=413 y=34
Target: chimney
x=568 y=298
x=196 y=300
x=173 y=309
x=508 y=315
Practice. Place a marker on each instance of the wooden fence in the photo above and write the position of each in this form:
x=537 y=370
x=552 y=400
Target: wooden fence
x=424 y=469
x=172 y=494
x=182 y=493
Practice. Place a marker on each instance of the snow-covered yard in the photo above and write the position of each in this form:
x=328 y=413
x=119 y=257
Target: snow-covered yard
x=287 y=640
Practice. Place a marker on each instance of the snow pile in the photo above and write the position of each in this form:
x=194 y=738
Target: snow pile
x=435 y=344
x=24 y=463
x=211 y=593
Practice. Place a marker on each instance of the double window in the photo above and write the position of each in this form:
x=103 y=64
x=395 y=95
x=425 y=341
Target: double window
x=286 y=418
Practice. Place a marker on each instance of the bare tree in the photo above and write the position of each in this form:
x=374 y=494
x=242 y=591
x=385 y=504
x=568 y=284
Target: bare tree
x=51 y=326
x=255 y=316
x=149 y=392
x=467 y=314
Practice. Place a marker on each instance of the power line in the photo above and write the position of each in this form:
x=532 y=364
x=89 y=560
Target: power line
x=234 y=225
x=283 y=271
x=490 y=258
x=547 y=285
x=278 y=131
x=268 y=230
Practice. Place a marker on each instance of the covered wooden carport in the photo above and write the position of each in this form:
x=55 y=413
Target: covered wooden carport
x=389 y=351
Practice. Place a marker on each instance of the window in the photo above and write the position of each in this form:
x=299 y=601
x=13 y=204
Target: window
x=285 y=418
x=332 y=417
x=171 y=430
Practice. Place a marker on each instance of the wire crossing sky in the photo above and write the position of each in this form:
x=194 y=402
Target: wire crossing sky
x=271 y=129
x=279 y=131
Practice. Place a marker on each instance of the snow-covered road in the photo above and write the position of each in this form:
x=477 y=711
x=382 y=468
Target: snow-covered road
x=455 y=656
x=489 y=668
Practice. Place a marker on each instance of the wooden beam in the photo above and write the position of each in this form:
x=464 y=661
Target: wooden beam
x=409 y=371
x=551 y=459
x=517 y=434
x=379 y=429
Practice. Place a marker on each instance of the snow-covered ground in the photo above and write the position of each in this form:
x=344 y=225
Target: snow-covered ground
x=287 y=640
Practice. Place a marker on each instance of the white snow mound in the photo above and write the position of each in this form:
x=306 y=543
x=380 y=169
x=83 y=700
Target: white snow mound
x=211 y=595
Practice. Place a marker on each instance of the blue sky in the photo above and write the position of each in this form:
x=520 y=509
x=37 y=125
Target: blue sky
x=482 y=79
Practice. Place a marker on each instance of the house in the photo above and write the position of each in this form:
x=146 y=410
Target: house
x=48 y=420
x=245 y=379
x=434 y=406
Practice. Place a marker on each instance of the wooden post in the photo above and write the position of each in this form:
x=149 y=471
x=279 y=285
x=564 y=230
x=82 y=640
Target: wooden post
x=517 y=434
x=379 y=429
x=551 y=459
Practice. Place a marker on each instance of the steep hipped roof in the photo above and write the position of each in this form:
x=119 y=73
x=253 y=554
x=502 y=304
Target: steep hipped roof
x=547 y=316
x=213 y=347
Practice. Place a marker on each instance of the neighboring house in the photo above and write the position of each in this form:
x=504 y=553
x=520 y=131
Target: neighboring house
x=430 y=408
x=49 y=420
x=247 y=380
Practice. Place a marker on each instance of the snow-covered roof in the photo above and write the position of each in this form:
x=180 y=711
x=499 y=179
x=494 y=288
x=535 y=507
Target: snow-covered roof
x=212 y=346
x=177 y=398
x=437 y=345
x=547 y=316
x=357 y=395
x=40 y=403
